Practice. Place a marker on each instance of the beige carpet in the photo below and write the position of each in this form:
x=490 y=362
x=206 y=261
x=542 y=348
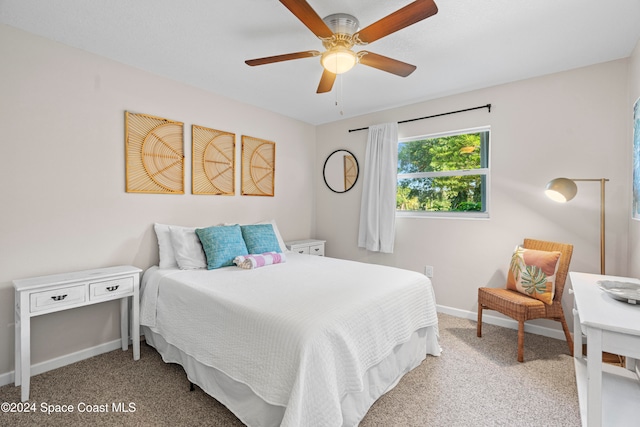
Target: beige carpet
x=476 y=382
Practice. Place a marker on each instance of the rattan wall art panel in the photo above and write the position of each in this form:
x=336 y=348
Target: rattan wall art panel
x=258 y=166
x=213 y=162
x=350 y=172
x=154 y=154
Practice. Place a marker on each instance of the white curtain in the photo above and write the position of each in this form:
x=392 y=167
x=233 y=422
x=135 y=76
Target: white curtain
x=378 y=205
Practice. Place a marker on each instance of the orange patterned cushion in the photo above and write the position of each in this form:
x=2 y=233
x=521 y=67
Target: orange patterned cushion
x=533 y=273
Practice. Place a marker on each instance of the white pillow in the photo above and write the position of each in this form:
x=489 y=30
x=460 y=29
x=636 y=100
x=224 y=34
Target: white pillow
x=167 y=256
x=187 y=248
x=283 y=247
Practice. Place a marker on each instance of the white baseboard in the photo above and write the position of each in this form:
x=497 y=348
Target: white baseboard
x=503 y=321
x=48 y=365
x=67 y=359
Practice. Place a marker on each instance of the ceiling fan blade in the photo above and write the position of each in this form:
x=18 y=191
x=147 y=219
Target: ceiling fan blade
x=384 y=63
x=305 y=13
x=326 y=82
x=280 y=58
x=401 y=18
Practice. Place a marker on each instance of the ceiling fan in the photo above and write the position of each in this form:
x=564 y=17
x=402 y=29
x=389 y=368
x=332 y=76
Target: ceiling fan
x=340 y=32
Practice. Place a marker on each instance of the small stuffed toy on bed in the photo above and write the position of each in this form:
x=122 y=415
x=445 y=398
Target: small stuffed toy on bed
x=259 y=260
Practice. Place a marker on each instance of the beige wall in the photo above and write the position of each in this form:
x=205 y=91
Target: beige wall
x=62 y=178
x=64 y=206
x=572 y=124
x=634 y=225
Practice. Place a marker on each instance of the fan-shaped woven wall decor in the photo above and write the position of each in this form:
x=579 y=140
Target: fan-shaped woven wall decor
x=350 y=171
x=258 y=166
x=213 y=163
x=154 y=154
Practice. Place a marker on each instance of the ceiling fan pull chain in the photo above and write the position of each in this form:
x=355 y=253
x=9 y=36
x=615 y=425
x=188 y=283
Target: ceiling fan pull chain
x=336 y=93
x=339 y=95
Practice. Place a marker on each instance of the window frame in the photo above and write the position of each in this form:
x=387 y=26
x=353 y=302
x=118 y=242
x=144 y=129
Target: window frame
x=485 y=171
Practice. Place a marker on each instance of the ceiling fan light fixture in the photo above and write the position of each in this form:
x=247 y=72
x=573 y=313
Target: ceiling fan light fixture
x=339 y=33
x=338 y=60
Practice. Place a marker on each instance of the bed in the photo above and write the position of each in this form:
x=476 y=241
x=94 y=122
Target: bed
x=313 y=341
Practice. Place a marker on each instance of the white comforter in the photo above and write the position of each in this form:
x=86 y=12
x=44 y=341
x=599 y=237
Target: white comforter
x=300 y=334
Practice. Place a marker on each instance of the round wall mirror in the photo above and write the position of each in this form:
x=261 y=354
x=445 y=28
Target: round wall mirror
x=340 y=171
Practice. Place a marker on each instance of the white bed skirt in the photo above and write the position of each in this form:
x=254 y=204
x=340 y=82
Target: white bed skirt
x=254 y=411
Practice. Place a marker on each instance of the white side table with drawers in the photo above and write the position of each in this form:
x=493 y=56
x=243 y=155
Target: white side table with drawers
x=307 y=246
x=48 y=294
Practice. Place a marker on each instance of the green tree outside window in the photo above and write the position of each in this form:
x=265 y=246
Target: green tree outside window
x=443 y=173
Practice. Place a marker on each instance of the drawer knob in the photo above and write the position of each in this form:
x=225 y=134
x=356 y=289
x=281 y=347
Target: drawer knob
x=112 y=288
x=316 y=249
x=300 y=252
x=59 y=297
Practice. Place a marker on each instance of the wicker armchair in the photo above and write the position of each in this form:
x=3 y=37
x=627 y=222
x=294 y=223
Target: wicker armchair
x=521 y=307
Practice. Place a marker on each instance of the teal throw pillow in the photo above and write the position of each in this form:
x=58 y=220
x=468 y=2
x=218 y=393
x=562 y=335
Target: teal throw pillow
x=260 y=238
x=221 y=244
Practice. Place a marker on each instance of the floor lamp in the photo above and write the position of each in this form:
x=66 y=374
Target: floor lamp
x=564 y=189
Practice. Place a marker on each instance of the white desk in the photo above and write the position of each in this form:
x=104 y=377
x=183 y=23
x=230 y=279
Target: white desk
x=609 y=395
x=47 y=294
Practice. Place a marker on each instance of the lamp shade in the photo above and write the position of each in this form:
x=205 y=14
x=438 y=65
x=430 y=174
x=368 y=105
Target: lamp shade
x=561 y=189
x=338 y=60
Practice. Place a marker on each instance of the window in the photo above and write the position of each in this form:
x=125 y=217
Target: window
x=444 y=174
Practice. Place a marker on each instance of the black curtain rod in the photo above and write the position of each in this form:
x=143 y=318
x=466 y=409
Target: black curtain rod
x=488 y=107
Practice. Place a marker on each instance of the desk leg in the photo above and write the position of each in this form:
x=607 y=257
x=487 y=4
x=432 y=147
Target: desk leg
x=124 y=322
x=594 y=377
x=135 y=323
x=22 y=340
x=23 y=365
x=17 y=343
x=577 y=334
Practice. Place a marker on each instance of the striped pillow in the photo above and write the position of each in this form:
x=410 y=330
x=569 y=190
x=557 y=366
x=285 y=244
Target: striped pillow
x=259 y=260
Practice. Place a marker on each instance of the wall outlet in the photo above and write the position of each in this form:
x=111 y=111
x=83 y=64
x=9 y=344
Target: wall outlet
x=428 y=271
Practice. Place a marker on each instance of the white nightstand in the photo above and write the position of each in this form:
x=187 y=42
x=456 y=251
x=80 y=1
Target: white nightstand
x=48 y=294
x=307 y=246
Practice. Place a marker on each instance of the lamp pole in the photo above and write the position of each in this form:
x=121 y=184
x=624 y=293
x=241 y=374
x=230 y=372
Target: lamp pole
x=602 y=181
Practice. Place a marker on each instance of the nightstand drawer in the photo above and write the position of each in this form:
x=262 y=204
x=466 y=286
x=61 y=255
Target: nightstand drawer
x=301 y=250
x=108 y=288
x=316 y=250
x=307 y=247
x=60 y=297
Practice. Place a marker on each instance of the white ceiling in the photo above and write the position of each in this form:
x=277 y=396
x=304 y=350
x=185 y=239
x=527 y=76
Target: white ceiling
x=468 y=44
